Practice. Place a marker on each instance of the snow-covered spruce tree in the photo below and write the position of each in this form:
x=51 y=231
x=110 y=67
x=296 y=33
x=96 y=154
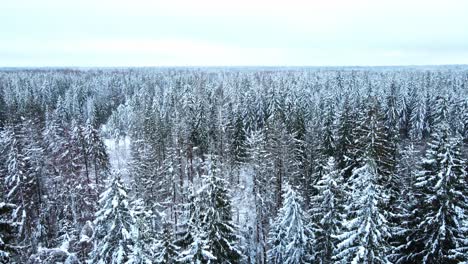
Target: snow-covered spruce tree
x=372 y=142
x=238 y=151
x=465 y=122
x=217 y=217
x=327 y=212
x=144 y=235
x=364 y=239
x=192 y=241
x=97 y=154
x=261 y=164
x=168 y=185
x=437 y=231
x=145 y=168
x=84 y=189
x=327 y=144
x=345 y=147
x=407 y=168
x=210 y=236
x=289 y=238
x=418 y=119
x=8 y=228
x=366 y=231
x=73 y=195
x=165 y=250
x=114 y=226
x=22 y=181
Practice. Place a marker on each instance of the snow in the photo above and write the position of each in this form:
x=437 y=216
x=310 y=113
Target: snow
x=119 y=153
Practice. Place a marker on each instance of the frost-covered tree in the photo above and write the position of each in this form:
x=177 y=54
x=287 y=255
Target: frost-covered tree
x=261 y=165
x=193 y=242
x=8 y=228
x=210 y=236
x=144 y=166
x=345 y=147
x=437 y=227
x=114 y=225
x=23 y=182
x=364 y=239
x=418 y=119
x=290 y=238
x=144 y=235
x=165 y=249
x=96 y=153
x=326 y=212
x=217 y=215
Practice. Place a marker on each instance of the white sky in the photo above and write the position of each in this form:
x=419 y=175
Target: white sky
x=236 y=32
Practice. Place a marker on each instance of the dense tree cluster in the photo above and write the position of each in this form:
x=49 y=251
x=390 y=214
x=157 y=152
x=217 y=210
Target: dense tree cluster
x=297 y=165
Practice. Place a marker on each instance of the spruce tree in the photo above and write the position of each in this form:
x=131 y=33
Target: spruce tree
x=217 y=216
x=193 y=242
x=97 y=153
x=366 y=231
x=345 y=147
x=289 y=237
x=22 y=182
x=437 y=231
x=327 y=212
x=166 y=251
x=8 y=229
x=114 y=226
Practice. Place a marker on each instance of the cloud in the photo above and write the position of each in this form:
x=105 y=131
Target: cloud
x=243 y=32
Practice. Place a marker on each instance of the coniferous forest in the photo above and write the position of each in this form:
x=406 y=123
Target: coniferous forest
x=234 y=165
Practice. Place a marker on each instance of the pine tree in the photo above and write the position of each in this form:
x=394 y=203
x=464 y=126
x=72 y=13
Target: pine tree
x=327 y=212
x=289 y=236
x=114 y=226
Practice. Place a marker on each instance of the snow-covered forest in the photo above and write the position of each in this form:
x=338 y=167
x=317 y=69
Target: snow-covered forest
x=234 y=165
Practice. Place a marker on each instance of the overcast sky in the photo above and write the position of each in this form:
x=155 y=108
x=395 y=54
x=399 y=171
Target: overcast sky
x=232 y=33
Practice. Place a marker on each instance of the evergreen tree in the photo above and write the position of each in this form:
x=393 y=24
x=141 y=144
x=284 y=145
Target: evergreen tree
x=8 y=228
x=144 y=234
x=114 y=226
x=193 y=242
x=437 y=229
x=97 y=153
x=22 y=181
x=166 y=250
x=418 y=120
x=261 y=164
x=289 y=236
x=345 y=151
x=364 y=239
x=327 y=212
x=217 y=216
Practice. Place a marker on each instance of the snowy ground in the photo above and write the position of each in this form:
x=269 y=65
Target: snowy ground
x=242 y=197
x=119 y=154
